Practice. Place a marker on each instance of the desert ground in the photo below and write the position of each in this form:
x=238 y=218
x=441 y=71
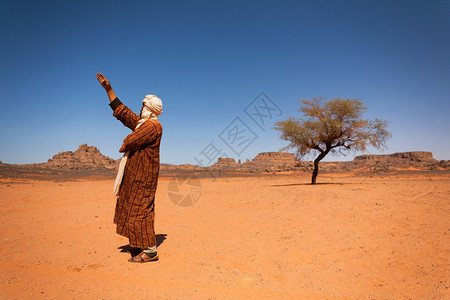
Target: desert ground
x=256 y=237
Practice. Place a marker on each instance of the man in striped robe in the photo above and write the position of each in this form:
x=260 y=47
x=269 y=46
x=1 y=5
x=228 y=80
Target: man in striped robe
x=137 y=178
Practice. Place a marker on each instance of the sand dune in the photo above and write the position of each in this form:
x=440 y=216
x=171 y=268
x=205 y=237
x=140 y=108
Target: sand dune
x=256 y=237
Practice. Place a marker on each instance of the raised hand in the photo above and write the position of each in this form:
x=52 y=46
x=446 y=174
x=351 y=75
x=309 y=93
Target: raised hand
x=103 y=81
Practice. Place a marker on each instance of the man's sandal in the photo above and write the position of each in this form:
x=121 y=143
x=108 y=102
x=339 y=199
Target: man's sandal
x=143 y=258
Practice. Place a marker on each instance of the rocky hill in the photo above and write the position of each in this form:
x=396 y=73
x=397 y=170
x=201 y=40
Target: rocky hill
x=86 y=157
x=263 y=162
x=281 y=161
x=273 y=160
x=89 y=158
x=420 y=160
x=414 y=156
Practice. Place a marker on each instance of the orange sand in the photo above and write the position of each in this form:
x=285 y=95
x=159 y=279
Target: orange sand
x=267 y=237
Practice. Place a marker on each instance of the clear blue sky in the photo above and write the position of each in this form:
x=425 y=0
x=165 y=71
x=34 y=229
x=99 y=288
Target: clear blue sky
x=207 y=60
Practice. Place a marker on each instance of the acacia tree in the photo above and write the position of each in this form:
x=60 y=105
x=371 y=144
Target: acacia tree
x=332 y=125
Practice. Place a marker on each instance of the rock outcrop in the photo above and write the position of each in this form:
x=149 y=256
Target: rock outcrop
x=226 y=164
x=403 y=160
x=90 y=158
x=401 y=157
x=274 y=161
x=282 y=161
x=263 y=162
x=86 y=157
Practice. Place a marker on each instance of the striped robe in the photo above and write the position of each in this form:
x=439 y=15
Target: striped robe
x=135 y=207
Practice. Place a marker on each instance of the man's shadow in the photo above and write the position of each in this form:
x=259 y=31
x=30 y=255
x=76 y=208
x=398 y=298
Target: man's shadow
x=135 y=251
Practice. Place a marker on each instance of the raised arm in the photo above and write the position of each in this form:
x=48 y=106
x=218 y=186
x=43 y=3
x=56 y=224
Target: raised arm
x=107 y=86
x=121 y=112
x=124 y=114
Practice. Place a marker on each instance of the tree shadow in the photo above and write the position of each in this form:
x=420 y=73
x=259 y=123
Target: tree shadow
x=320 y=183
x=135 y=251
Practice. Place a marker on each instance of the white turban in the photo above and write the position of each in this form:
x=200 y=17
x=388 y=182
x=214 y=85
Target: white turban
x=153 y=103
x=152 y=108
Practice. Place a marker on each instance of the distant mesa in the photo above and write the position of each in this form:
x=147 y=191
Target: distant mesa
x=416 y=156
x=180 y=168
x=416 y=159
x=86 y=157
x=282 y=161
x=263 y=162
x=89 y=157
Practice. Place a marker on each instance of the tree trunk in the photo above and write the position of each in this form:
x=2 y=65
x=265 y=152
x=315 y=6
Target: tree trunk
x=316 y=165
x=315 y=171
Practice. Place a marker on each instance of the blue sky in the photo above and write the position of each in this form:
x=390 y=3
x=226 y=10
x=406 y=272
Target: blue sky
x=208 y=60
